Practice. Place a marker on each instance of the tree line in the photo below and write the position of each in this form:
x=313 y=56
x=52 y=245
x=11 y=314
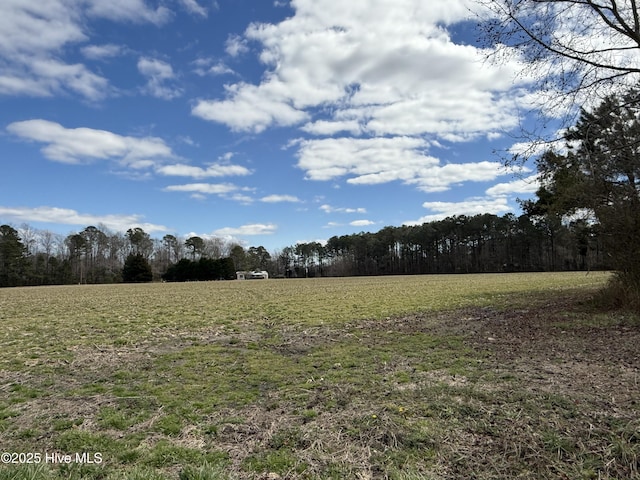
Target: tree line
x=460 y=244
x=96 y=255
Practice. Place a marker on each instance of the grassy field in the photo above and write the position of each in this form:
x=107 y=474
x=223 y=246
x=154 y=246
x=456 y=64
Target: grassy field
x=422 y=377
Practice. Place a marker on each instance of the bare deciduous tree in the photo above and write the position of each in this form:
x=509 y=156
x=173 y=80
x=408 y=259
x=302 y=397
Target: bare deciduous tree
x=577 y=51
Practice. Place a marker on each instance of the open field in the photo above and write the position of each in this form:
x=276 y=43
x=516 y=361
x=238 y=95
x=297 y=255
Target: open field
x=424 y=377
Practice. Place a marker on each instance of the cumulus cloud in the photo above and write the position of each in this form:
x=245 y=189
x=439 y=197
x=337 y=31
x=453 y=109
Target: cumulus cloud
x=248 y=230
x=329 y=209
x=160 y=78
x=528 y=185
x=204 y=188
x=249 y=109
x=227 y=191
x=378 y=84
x=470 y=207
x=236 y=45
x=101 y=52
x=380 y=160
x=280 y=199
x=81 y=145
x=66 y=216
x=36 y=36
x=194 y=8
x=209 y=66
x=361 y=223
x=497 y=200
x=328 y=128
x=133 y=11
x=400 y=76
x=212 y=170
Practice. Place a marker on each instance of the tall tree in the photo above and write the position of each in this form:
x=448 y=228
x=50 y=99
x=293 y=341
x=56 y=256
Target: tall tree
x=136 y=269
x=173 y=246
x=12 y=252
x=601 y=173
x=238 y=255
x=258 y=258
x=95 y=241
x=77 y=246
x=140 y=242
x=196 y=244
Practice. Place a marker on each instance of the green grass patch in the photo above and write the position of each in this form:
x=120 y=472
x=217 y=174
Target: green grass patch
x=424 y=377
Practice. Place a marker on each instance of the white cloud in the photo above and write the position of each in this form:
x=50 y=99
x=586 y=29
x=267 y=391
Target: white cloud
x=209 y=66
x=213 y=170
x=249 y=109
x=380 y=160
x=328 y=128
x=332 y=225
x=160 y=77
x=80 y=145
x=329 y=209
x=373 y=160
x=361 y=223
x=66 y=216
x=45 y=77
x=36 y=36
x=469 y=207
x=248 y=230
x=280 y=199
x=398 y=76
x=101 y=52
x=524 y=185
x=236 y=45
x=497 y=200
x=241 y=198
x=204 y=188
x=193 y=7
x=133 y=11
x=28 y=28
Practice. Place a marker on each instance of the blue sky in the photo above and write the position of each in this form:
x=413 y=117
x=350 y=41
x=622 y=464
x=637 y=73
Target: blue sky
x=265 y=122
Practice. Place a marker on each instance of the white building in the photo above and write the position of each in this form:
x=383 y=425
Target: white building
x=255 y=275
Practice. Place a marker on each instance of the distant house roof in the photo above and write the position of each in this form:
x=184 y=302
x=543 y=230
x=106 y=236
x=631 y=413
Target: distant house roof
x=256 y=274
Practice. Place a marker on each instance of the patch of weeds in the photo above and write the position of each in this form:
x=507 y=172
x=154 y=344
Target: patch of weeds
x=90 y=389
x=204 y=472
x=166 y=454
x=127 y=412
x=291 y=438
x=26 y=472
x=560 y=446
x=136 y=473
x=211 y=430
x=214 y=376
x=72 y=441
x=120 y=418
x=170 y=425
x=282 y=462
x=128 y=456
x=309 y=415
x=82 y=471
x=21 y=393
x=27 y=434
x=62 y=424
x=5 y=415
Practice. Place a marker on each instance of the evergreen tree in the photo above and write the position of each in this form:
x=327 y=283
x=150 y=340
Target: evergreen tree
x=600 y=174
x=136 y=269
x=12 y=252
